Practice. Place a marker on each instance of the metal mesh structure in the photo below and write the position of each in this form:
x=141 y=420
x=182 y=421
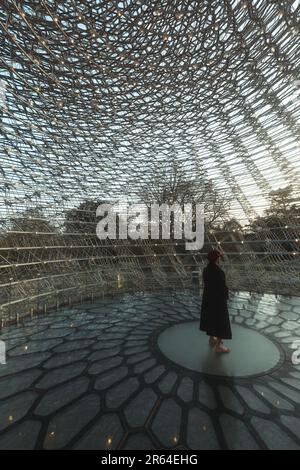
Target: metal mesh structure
x=156 y=101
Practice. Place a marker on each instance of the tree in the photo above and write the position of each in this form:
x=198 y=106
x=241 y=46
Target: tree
x=228 y=232
x=82 y=219
x=282 y=204
x=28 y=229
x=26 y=240
x=80 y=233
x=174 y=185
x=279 y=225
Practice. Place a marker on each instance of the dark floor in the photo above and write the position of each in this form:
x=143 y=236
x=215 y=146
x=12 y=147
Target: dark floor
x=94 y=377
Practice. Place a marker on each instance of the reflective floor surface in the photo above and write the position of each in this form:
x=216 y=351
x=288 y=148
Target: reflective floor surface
x=135 y=372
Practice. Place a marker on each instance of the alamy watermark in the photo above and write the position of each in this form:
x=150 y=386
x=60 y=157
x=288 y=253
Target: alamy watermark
x=2 y=352
x=140 y=221
x=296 y=353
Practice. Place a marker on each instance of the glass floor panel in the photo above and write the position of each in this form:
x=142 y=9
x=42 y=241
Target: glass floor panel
x=94 y=376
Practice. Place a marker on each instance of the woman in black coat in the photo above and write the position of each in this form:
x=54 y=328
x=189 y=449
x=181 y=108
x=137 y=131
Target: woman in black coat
x=214 y=318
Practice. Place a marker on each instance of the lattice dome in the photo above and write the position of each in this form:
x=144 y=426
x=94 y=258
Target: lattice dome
x=155 y=101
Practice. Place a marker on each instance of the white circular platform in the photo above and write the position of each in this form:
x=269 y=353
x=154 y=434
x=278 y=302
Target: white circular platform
x=251 y=353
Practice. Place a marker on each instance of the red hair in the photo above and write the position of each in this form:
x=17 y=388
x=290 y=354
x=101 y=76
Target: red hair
x=213 y=255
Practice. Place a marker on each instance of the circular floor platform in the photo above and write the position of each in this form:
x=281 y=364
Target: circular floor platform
x=251 y=353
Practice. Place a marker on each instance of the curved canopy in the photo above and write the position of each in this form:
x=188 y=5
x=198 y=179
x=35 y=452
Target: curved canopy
x=156 y=101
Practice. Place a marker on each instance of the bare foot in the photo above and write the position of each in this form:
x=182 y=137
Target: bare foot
x=220 y=348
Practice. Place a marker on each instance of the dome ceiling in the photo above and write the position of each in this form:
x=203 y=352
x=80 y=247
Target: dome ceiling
x=103 y=99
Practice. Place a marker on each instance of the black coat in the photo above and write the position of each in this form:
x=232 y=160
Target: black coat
x=214 y=317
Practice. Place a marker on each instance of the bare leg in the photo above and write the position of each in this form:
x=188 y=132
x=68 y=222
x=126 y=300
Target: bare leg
x=220 y=348
x=213 y=340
